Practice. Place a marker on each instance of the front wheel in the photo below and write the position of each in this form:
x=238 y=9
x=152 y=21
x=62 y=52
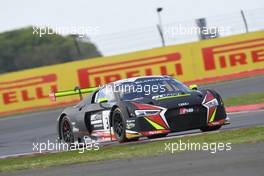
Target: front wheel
x=211 y=128
x=119 y=125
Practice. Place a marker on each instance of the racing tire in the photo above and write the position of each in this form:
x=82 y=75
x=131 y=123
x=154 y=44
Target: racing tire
x=157 y=136
x=119 y=126
x=210 y=128
x=66 y=131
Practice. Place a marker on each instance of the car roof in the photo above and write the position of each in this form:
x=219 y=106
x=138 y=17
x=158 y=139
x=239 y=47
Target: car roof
x=136 y=78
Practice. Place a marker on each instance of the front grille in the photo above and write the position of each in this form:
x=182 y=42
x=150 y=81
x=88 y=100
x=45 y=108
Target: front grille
x=179 y=121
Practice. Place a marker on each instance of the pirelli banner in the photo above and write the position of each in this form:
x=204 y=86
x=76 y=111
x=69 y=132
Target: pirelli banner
x=199 y=62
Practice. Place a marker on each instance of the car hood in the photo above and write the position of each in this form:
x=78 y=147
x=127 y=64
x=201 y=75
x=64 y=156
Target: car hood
x=192 y=98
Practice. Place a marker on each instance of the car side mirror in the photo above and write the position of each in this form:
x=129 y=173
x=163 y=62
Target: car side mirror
x=193 y=87
x=102 y=100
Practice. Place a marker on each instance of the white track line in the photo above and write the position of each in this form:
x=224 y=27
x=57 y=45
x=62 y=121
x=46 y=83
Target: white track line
x=244 y=112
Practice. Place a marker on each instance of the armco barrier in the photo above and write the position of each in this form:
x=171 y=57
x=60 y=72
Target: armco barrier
x=202 y=61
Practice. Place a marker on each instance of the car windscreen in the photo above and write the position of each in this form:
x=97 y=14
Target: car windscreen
x=150 y=87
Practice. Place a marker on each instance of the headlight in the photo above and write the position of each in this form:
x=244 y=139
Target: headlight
x=140 y=113
x=212 y=103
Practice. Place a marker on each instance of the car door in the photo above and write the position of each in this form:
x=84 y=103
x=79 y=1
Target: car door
x=97 y=113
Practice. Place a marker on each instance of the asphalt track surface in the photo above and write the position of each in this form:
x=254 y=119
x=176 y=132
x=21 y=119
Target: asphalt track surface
x=19 y=132
x=241 y=160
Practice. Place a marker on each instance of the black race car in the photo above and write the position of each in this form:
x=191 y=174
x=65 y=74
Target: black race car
x=150 y=106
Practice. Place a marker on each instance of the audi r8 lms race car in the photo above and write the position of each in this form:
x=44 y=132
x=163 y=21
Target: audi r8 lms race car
x=150 y=106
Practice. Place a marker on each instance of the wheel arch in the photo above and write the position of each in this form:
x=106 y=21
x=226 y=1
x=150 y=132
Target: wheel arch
x=59 y=124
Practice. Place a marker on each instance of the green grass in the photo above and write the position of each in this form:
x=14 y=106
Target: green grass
x=252 y=98
x=150 y=149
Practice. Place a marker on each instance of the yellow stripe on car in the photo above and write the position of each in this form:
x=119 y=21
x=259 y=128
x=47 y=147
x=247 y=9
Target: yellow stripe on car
x=155 y=125
x=174 y=96
x=213 y=116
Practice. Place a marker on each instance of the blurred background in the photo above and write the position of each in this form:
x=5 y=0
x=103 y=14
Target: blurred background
x=86 y=29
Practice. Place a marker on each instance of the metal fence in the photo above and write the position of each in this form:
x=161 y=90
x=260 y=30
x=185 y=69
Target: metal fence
x=149 y=37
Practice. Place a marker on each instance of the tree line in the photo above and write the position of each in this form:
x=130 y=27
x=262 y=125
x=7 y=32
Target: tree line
x=21 y=49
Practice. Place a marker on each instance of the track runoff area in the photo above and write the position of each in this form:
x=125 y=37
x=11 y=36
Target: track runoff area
x=41 y=126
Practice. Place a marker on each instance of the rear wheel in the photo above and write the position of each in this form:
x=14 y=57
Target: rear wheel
x=66 y=131
x=210 y=128
x=158 y=135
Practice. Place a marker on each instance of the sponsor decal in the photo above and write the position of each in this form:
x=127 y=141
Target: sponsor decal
x=95 y=117
x=233 y=54
x=27 y=89
x=147 y=133
x=96 y=122
x=131 y=121
x=185 y=110
x=183 y=104
x=130 y=125
x=101 y=74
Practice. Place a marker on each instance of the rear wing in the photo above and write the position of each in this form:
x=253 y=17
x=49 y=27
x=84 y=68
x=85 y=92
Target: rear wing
x=75 y=91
